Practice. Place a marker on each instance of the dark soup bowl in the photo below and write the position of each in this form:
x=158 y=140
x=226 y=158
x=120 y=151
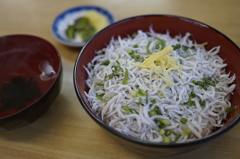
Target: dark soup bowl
x=175 y=25
x=30 y=71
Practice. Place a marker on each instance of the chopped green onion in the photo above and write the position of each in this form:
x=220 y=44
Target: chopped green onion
x=153 y=101
x=202 y=102
x=177 y=137
x=192 y=94
x=161 y=95
x=187 y=131
x=100 y=97
x=160 y=124
x=134 y=34
x=135 y=46
x=161 y=132
x=130 y=52
x=209 y=81
x=181 y=61
x=183 y=120
x=134 y=93
x=92 y=66
x=141 y=92
x=208 y=57
x=134 y=56
x=134 y=111
x=221 y=89
x=157 y=110
x=152 y=113
x=185 y=48
x=191 y=102
x=110 y=76
x=229 y=109
x=129 y=110
x=189 y=55
x=165 y=122
x=125 y=79
x=139 y=100
x=148 y=50
x=177 y=46
x=99 y=84
x=173 y=132
x=157 y=46
x=168 y=132
x=105 y=63
x=126 y=108
x=166 y=140
x=101 y=52
x=200 y=84
x=195 y=82
x=115 y=68
x=162 y=43
x=138 y=58
x=146 y=96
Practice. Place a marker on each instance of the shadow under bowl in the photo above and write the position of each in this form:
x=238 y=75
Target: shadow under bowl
x=31 y=73
x=176 y=25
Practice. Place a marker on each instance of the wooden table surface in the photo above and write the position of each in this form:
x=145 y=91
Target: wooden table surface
x=66 y=131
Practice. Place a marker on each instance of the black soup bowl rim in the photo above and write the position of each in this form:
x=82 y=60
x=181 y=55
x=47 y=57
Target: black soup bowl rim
x=59 y=72
x=135 y=140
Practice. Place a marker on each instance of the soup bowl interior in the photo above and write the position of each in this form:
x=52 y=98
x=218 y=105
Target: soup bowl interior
x=176 y=25
x=30 y=79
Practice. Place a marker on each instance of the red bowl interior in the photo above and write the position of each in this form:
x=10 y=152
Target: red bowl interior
x=31 y=59
x=161 y=23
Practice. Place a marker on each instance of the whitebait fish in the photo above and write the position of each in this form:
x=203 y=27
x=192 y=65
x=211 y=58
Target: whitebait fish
x=159 y=88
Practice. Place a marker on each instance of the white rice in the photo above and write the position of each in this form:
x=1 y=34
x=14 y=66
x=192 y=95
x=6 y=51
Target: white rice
x=197 y=63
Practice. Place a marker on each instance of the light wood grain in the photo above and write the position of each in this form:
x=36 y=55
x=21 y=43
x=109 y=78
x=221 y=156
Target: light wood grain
x=66 y=131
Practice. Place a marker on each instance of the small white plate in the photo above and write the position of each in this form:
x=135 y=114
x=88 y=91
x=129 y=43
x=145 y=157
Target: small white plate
x=67 y=17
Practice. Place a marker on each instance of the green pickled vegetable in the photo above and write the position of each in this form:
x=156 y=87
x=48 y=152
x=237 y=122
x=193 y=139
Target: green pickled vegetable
x=70 y=32
x=81 y=27
x=81 y=23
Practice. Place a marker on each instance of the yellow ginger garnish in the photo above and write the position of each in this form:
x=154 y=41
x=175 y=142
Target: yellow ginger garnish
x=97 y=20
x=161 y=64
x=150 y=60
